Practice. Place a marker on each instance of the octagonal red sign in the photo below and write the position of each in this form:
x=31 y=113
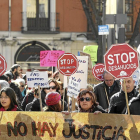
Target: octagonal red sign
x=121 y=60
x=3 y=65
x=67 y=64
x=98 y=70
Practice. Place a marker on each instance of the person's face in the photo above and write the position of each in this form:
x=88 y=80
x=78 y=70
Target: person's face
x=109 y=79
x=52 y=87
x=5 y=100
x=129 y=84
x=57 y=76
x=18 y=70
x=86 y=104
x=22 y=86
x=46 y=90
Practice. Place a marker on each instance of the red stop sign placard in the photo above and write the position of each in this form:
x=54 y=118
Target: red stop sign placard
x=67 y=64
x=98 y=70
x=121 y=60
x=3 y=65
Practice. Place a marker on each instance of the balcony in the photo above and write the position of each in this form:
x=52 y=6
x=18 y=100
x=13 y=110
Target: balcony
x=40 y=24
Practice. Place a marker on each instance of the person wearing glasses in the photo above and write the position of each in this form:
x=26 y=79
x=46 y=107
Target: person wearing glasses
x=87 y=103
x=8 y=100
x=106 y=89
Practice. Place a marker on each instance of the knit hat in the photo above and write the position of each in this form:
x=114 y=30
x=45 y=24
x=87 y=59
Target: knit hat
x=52 y=98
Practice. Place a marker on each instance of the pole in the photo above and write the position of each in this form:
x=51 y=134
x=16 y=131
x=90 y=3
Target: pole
x=104 y=23
x=126 y=98
x=40 y=98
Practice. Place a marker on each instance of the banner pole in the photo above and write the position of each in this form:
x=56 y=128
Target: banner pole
x=63 y=93
x=126 y=98
x=40 y=98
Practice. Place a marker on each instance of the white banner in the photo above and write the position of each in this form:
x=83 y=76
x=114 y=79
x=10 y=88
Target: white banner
x=37 y=78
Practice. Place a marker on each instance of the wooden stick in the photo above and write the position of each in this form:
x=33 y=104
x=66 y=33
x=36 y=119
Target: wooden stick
x=40 y=98
x=126 y=97
x=63 y=98
x=68 y=103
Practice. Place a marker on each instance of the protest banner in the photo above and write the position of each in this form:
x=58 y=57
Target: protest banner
x=55 y=125
x=90 y=79
x=92 y=50
x=80 y=76
x=49 y=58
x=135 y=77
x=35 y=79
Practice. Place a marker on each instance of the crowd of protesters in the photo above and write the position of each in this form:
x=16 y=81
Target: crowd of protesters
x=106 y=97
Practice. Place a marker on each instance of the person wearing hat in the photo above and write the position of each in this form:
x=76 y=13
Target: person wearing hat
x=53 y=101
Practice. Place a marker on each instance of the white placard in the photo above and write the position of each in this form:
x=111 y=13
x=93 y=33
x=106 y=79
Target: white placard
x=81 y=75
x=135 y=77
x=37 y=78
x=73 y=88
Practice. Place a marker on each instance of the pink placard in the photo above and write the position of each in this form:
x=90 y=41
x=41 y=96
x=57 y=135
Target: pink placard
x=49 y=58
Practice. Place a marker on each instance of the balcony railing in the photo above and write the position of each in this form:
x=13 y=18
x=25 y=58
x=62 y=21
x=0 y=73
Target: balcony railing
x=41 y=23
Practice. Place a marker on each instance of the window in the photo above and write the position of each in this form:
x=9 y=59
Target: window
x=129 y=12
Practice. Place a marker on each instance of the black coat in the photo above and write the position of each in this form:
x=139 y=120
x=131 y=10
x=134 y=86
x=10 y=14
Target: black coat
x=134 y=105
x=118 y=101
x=100 y=93
x=27 y=99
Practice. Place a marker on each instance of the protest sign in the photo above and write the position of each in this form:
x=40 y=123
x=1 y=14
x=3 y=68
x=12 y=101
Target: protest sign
x=92 y=50
x=55 y=125
x=135 y=77
x=81 y=75
x=38 y=78
x=49 y=58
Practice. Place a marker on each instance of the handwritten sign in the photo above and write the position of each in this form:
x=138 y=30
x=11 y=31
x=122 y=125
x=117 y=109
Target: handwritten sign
x=37 y=78
x=92 y=50
x=48 y=125
x=135 y=77
x=49 y=58
x=73 y=88
x=81 y=74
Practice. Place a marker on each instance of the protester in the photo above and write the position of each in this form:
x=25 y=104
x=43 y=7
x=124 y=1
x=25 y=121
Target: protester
x=3 y=84
x=8 y=100
x=21 y=84
x=118 y=100
x=106 y=89
x=87 y=102
x=53 y=101
x=56 y=76
x=4 y=77
x=44 y=92
x=54 y=87
x=27 y=99
x=36 y=102
x=15 y=71
x=134 y=106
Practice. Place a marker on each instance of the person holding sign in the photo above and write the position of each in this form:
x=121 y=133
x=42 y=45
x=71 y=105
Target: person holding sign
x=87 y=102
x=106 y=89
x=118 y=100
x=8 y=100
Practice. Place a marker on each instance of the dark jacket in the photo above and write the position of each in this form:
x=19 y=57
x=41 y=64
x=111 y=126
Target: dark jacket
x=27 y=99
x=134 y=105
x=17 y=91
x=100 y=92
x=118 y=101
x=96 y=108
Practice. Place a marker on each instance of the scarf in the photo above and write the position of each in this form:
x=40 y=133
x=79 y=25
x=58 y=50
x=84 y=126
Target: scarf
x=23 y=93
x=14 y=109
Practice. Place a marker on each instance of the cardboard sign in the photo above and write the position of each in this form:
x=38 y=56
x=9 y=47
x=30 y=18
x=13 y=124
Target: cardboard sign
x=73 y=88
x=135 y=77
x=49 y=125
x=92 y=50
x=81 y=74
x=37 y=78
x=49 y=58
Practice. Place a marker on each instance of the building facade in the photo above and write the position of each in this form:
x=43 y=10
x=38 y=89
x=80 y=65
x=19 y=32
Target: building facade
x=29 y=26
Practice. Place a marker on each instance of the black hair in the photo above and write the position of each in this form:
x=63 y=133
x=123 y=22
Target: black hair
x=4 y=77
x=9 y=74
x=12 y=95
x=15 y=66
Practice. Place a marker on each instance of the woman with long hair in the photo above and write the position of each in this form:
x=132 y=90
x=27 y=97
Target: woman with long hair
x=8 y=100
